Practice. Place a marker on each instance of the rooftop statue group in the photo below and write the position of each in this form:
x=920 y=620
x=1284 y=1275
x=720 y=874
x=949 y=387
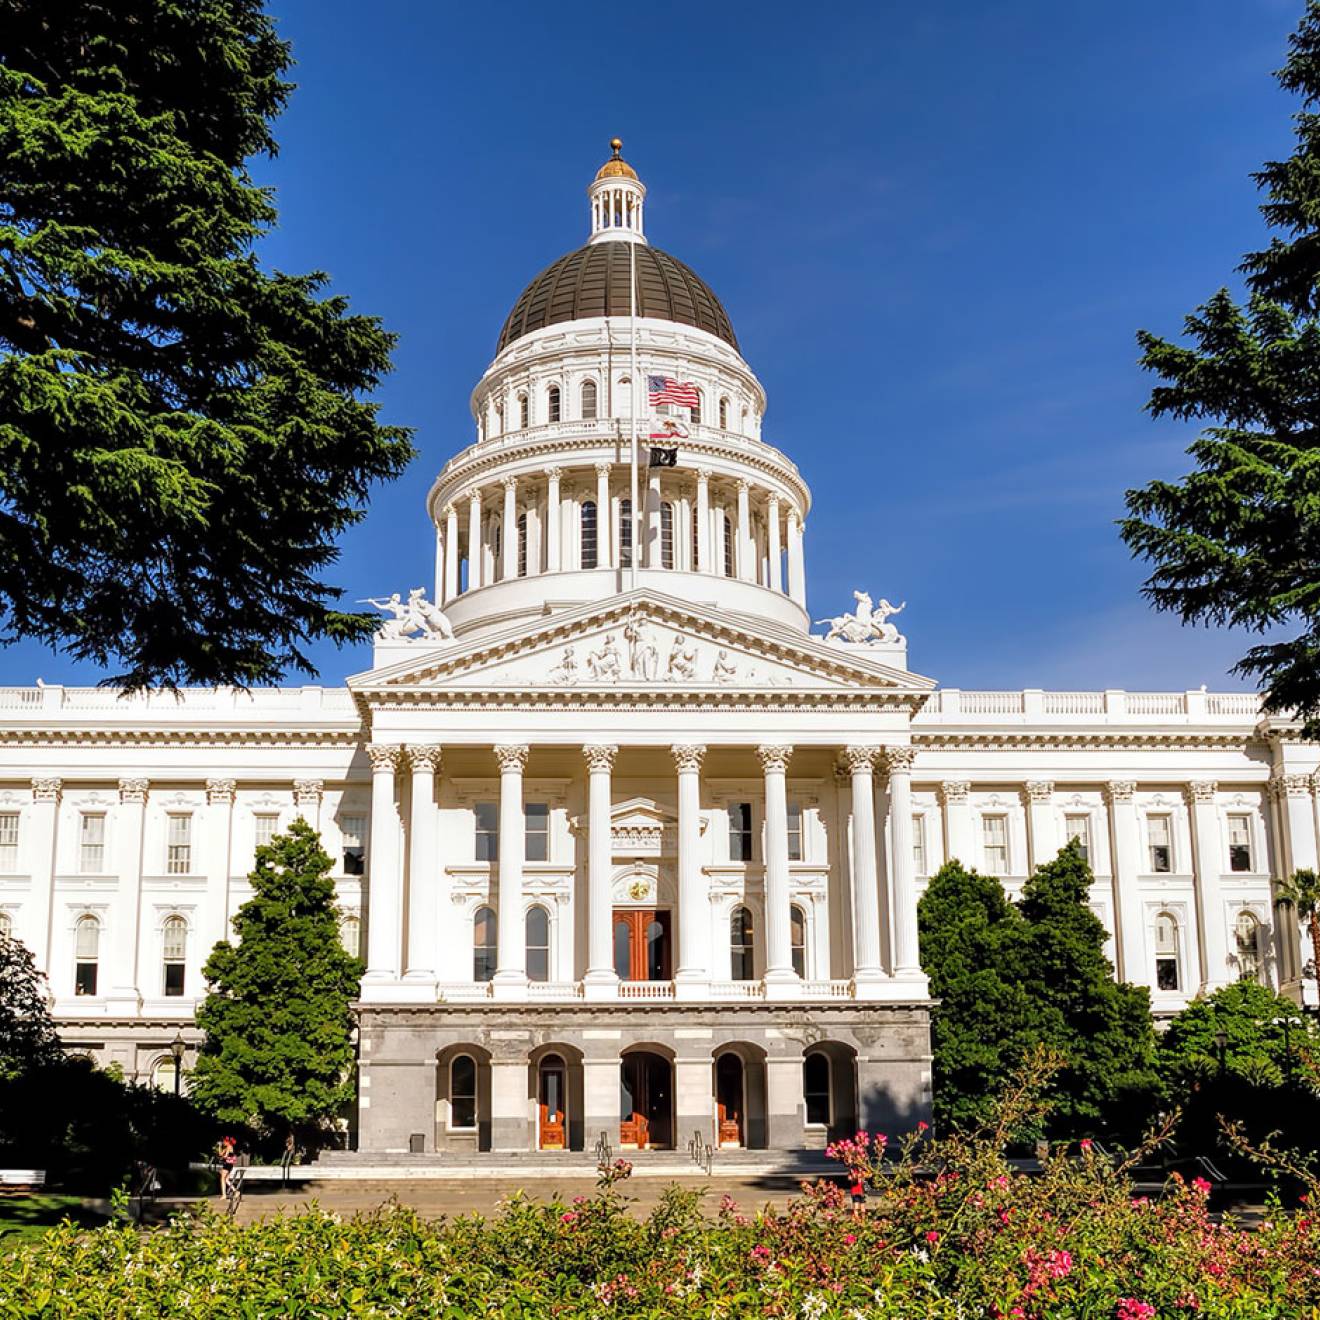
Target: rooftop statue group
x=868 y=623
x=413 y=620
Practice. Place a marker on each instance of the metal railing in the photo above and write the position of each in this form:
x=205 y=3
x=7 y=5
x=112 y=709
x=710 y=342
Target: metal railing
x=702 y=1151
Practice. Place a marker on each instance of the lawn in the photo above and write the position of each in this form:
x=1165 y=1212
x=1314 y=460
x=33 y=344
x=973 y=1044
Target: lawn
x=26 y=1217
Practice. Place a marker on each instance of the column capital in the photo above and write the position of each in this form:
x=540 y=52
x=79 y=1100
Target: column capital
x=511 y=756
x=553 y=472
x=1120 y=790
x=704 y=475
x=600 y=756
x=772 y=499
x=1038 y=792
x=604 y=469
x=449 y=511
x=509 y=482
x=688 y=756
x=1200 y=792
x=744 y=484
x=384 y=756
x=774 y=757
x=47 y=789
x=135 y=790
x=220 y=791
x=474 y=496
x=794 y=517
x=900 y=758
x=858 y=759
x=953 y=792
x=424 y=757
x=1290 y=786
x=307 y=792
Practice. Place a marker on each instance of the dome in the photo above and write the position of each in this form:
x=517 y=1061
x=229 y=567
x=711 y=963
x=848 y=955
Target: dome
x=593 y=281
x=616 y=167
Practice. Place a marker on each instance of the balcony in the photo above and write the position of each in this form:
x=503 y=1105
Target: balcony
x=653 y=992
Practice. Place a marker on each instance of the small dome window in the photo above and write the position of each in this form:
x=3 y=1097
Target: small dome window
x=588 y=400
x=552 y=409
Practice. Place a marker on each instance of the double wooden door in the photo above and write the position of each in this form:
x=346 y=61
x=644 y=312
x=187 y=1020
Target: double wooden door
x=642 y=944
x=645 y=1102
x=553 y=1087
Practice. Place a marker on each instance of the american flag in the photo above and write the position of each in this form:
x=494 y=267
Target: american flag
x=665 y=389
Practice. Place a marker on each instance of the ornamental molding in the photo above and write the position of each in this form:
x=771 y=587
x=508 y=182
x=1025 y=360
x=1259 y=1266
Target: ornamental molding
x=899 y=759
x=600 y=756
x=287 y=739
x=1290 y=786
x=1200 y=792
x=774 y=757
x=1038 y=792
x=953 y=792
x=47 y=789
x=384 y=756
x=133 y=791
x=424 y=757
x=220 y=792
x=1119 y=791
x=308 y=792
x=1097 y=740
x=859 y=760
x=512 y=757
x=688 y=756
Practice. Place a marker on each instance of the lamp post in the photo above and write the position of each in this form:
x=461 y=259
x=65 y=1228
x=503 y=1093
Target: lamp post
x=178 y=1047
x=1286 y=1024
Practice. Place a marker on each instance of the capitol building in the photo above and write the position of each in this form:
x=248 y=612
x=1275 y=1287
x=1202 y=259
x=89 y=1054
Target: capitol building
x=629 y=843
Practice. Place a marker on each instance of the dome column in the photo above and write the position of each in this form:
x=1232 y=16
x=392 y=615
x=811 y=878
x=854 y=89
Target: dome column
x=746 y=558
x=654 y=557
x=552 y=533
x=797 y=579
x=603 y=540
x=776 y=579
x=451 y=553
x=474 y=540
x=509 y=531
x=703 y=564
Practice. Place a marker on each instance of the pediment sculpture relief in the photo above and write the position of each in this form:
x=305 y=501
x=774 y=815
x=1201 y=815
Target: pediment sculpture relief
x=638 y=654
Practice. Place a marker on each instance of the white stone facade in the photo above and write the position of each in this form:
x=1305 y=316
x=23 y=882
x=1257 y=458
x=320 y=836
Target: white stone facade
x=633 y=822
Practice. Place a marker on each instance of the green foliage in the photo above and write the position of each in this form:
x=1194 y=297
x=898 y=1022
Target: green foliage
x=278 y=1054
x=183 y=434
x=1011 y=977
x=27 y=1032
x=1237 y=541
x=1301 y=892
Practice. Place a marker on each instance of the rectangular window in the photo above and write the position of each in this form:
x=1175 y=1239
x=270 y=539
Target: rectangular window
x=794 y=831
x=1166 y=952
x=919 y=844
x=264 y=825
x=8 y=842
x=487 y=816
x=84 y=978
x=625 y=533
x=1079 y=828
x=740 y=831
x=178 y=844
x=994 y=836
x=173 y=979
x=1239 y=843
x=588 y=538
x=536 y=831
x=1159 y=840
x=91 y=843
x=353 y=831
x=666 y=535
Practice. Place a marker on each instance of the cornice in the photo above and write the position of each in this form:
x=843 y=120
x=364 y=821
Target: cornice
x=1092 y=739
x=284 y=738
x=632 y=697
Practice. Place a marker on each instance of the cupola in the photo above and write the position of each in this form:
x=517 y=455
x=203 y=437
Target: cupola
x=617 y=196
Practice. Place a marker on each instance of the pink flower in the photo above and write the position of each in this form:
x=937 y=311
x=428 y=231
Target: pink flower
x=1085 y=1144
x=1129 y=1308
x=923 y=1126
x=1200 y=1186
x=568 y=1217
x=850 y=1238
x=760 y=1254
x=1058 y=1264
x=932 y=1235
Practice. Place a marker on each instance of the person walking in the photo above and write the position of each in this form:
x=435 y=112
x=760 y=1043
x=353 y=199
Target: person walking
x=226 y=1157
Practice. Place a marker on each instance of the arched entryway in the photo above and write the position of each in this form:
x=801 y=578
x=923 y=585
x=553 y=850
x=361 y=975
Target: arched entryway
x=738 y=1082
x=462 y=1098
x=646 y=1101
x=554 y=1087
x=829 y=1090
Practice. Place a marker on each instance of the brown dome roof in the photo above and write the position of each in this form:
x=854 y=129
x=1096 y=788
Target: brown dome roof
x=593 y=281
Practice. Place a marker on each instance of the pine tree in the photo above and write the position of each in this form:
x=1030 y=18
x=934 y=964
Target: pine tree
x=183 y=434
x=1237 y=541
x=278 y=1054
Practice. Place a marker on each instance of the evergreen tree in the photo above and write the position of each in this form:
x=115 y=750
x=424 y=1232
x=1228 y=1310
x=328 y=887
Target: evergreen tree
x=1101 y=1027
x=183 y=434
x=27 y=1031
x=1237 y=540
x=278 y=1054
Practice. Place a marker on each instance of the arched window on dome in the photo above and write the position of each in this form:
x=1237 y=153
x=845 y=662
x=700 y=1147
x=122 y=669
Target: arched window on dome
x=522 y=544
x=694 y=413
x=588 y=537
x=485 y=945
x=1246 y=936
x=588 y=400
x=666 y=535
x=726 y=528
x=524 y=419
x=724 y=414
x=552 y=409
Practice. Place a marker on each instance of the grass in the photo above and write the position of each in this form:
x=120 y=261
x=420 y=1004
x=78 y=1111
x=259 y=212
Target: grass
x=23 y=1218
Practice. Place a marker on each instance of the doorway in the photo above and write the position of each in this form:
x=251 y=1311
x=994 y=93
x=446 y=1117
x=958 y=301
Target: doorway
x=645 y=1102
x=552 y=1088
x=730 y=1101
x=642 y=944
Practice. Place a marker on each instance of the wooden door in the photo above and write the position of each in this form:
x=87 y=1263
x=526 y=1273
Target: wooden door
x=553 y=1096
x=729 y=1099
x=642 y=944
x=645 y=1102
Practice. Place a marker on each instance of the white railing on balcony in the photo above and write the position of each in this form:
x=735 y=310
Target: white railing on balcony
x=737 y=990
x=1156 y=703
x=1073 y=703
x=255 y=703
x=951 y=705
x=559 y=990
x=1232 y=703
x=464 y=991
x=646 y=989
x=840 y=989
x=992 y=703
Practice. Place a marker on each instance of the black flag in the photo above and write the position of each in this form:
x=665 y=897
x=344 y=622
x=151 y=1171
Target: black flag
x=664 y=457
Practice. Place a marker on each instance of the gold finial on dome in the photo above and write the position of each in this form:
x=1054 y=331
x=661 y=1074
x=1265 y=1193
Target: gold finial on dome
x=616 y=166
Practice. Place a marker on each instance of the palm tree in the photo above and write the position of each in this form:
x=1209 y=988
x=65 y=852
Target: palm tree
x=1301 y=891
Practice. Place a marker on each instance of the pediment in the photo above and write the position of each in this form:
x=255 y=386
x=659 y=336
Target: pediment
x=642 y=642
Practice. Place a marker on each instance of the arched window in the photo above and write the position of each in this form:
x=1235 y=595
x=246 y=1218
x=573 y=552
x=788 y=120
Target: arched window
x=522 y=544
x=816 y=1089
x=797 y=934
x=463 y=1092
x=174 y=950
x=666 y=535
x=87 y=951
x=1167 y=975
x=724 y=414
x=1246 y=934
x=588 y=400
x=695 y=411
x=6 y=926
x=726 y=525
x=625 y=533
x=588 y=533
x=740 y=944
x=552 y=404
x=350 y=934
x=499 y=418
x=484 y=944
x=538 y=944
x=523 y=418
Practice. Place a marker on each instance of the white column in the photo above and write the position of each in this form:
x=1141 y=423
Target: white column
x=474 y=540
x=600 y=980
x=451 y=553
x=693 y=975
x=604 y=542
x=797 y=577
x=867 y=966
x=653 y=557
x=45 y=818
x=1043 y=841
x=776 y=578
x=384 y=872
x=1133 y=965
x=907 y=953
x=703 y=564
x=125 y=993
x=957 y=822
x=553 y=538
x=509 y=530
x=307 y=794
x=511 y=958
x=778 y=935
x=1211 y=920
x=745 y=551
x=423 y=866
x=219 y=843
x=1295 y=797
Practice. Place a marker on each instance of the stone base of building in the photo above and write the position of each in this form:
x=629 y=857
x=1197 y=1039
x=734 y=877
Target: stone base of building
x=140 y=1048
x=470 y=1078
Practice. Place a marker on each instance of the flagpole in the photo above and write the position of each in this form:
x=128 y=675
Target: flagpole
x=632 y=334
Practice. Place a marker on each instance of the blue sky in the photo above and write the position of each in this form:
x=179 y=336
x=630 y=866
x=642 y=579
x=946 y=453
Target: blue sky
x=936 y=228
